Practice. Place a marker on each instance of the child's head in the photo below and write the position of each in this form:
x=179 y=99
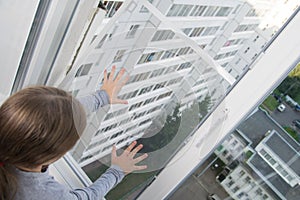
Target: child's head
x=37 y=125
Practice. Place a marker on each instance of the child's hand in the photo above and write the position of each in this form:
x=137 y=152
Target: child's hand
x=113 y=87
x=126 y=161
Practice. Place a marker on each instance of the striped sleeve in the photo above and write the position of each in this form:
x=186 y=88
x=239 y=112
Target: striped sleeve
x=94 y=101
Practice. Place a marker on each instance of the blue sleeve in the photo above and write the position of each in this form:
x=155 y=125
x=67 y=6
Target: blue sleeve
x=93 y=101
x=102 y=185
x=33 y=185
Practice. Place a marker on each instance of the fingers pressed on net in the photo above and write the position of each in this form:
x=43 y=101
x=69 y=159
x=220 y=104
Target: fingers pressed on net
x=140 y=158
x=120 y=101
x=112 y=73
x=114 y=151
x=120 y=74
x=130 y=147
x=140 y=167
x=136 y=149
x=105 y=76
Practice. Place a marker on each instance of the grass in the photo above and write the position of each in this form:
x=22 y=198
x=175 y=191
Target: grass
x=297 y=98
x=130 y=183
x=249 y=154
x=270 y=103
x=292 y=133
x=97 y=172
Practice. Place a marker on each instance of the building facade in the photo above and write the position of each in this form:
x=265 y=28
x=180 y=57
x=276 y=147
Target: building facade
x=240 y=184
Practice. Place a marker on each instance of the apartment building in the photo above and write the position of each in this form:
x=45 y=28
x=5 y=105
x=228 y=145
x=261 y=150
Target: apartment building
x=240 y=184
x=274 y=161
x=167 y=48
x=232 y=148
x=277 y=163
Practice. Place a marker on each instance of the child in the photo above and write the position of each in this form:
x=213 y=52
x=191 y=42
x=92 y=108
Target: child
x=38 y=125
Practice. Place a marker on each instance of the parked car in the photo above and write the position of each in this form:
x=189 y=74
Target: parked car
x=297 y=107
x=223 y=174
x=297 y=123
x=213 y=197
x=281 y=107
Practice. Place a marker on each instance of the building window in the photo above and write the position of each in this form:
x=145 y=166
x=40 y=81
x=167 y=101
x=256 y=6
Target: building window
x=112 y=7
x=242 y=172
x=135 y=106
x=171 y=69
x=108 y=128
x=230 y=183
x=169 y=54
x=224 y=11
x=183 y=51
x=211 y=11
x=197 y=32
x=210 y=30
x=119 y=55
x=157 y=72
x=132 y=31
x=251 y=13
x=129 y=95
x=160 y=85
x=185 y=65
x=149 y=100
x=198 y=10
x=167 y=94
x=138 y=77
x=144 y=122
x=185 y=10
x=83 y=70
x=116 y=135
x=139 y=115
x=116 y=113
x=187 y=31
x=146 y=90
x=174 y=10
x=235 y=189
x=246 y=27
x=101 y=41
x=154 y=109
x=174 y=81
x=150 y=57
x=163 y=35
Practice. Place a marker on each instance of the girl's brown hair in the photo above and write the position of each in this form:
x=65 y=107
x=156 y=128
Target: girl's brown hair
x=37 y=125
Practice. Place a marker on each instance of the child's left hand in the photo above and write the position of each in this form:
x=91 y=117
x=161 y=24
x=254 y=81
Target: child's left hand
x=113 y=86
x=126 y=161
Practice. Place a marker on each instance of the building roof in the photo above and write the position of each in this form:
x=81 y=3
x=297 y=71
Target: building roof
x=284 y=151
x=273 y=179
x=258 y=124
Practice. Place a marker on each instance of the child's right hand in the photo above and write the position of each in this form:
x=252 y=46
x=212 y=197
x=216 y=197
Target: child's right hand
x=126 y=161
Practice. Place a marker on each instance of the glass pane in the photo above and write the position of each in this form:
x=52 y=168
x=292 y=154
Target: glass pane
x=179 y=70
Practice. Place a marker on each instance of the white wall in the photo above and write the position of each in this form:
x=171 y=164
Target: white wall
x=15 y=22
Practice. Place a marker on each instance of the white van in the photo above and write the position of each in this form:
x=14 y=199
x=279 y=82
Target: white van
x=281 y=107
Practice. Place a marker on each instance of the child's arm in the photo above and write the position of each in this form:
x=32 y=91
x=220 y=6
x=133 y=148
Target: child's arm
x=121 y=165
x=94 y=101
x=108 y=93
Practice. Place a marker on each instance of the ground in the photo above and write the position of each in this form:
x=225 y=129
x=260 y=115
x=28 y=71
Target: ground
x=201 y=183
x=286 y=118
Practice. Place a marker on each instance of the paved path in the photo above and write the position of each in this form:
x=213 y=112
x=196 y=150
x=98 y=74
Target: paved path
x=286 y=117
